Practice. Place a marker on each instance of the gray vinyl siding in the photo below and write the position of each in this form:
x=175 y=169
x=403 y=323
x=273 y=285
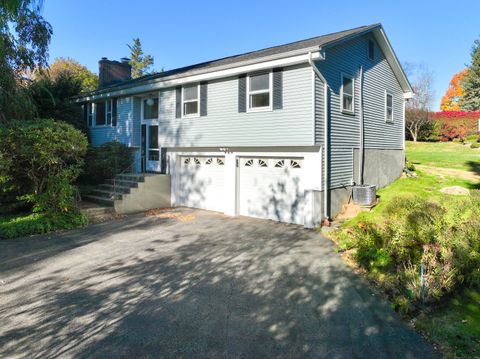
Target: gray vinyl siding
x=319 y=111
x=344 y=128
x=226 y=126
x=122 y=132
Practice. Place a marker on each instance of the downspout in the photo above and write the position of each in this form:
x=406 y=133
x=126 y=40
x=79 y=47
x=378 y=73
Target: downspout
x=326 y=129
x=361 y=134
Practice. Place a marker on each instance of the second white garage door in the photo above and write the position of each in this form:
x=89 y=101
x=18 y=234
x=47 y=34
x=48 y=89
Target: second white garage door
x=201 y=183
x=272 y=188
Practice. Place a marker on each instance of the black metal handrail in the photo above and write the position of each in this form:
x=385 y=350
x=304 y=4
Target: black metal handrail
x=125 y=170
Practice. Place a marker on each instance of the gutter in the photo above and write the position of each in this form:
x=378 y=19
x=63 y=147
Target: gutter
x=325 y=134
x=200 y=74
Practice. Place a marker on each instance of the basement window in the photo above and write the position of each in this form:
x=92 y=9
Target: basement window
x=259 y=92
x=347 y=94
x=388 y=107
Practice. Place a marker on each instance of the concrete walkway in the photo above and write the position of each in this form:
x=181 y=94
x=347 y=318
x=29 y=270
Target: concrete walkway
x=191 y=284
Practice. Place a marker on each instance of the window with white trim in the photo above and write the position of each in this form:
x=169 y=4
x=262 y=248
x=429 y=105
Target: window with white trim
x=91 y=114
x=190 y=100
x=347 y=94
x=259 y=87
x=388 y=107
x=108 y=111
x=150 y=108
x=99 y=113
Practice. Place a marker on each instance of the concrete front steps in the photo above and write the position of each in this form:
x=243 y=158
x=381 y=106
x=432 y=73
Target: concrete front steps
x=96 y=213
x=133 y=192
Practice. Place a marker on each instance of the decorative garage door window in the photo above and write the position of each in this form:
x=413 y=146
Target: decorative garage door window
x=199 y=161
x=280 y=164
x=272 y=162
x=295 y=164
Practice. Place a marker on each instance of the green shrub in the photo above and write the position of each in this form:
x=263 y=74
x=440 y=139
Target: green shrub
x=475 y=145
x=12 y=227
x=409 y=165
x=471 y=138
x=106 y=161
x=441 y=237
x=39 y=161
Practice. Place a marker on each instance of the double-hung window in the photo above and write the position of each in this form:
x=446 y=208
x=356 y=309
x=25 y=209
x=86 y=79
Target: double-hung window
x=190 y=101
x=347 y=94
x=388 y=107
x=259 y=92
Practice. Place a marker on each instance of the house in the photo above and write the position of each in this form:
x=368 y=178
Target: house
x=281 y=133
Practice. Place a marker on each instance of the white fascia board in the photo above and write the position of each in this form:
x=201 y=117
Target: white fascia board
x=173 y=81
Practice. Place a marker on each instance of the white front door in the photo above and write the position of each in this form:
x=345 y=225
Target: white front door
x=272 y=188
x=201 y=182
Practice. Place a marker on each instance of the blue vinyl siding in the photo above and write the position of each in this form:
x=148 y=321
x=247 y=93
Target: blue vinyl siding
x=344 y=128
x=122 y=132
x=225 y=126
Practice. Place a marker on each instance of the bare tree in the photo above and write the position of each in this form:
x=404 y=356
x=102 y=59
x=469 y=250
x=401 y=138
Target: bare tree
x=418 y=121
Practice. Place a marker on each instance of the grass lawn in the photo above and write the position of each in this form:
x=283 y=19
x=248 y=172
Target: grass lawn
x=444 y=154
x=455 y=324
x=425 y=186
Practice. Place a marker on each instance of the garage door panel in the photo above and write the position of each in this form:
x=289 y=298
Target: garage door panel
x=201 y=182
x=272 y=188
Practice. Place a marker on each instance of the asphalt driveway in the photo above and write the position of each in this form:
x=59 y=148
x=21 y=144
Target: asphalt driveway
x=190 y=284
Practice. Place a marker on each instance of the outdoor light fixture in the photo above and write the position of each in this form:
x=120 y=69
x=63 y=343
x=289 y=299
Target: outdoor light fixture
x=150 y=101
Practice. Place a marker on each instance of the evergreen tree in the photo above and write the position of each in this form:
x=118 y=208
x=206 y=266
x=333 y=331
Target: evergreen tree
x=140 y=62
x=471 y=82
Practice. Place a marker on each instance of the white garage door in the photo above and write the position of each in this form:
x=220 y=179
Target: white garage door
x=201 y=182
x=272 y=188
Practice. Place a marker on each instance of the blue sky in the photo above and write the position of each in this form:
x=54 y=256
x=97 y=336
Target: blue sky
x=438 y=33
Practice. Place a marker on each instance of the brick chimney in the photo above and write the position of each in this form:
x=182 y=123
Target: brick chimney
x=112 y=72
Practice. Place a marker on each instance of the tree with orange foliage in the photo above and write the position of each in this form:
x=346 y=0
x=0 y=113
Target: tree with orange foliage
x=451 y=99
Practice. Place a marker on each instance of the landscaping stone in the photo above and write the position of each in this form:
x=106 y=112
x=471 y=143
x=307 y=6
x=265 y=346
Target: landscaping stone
x=456 y=191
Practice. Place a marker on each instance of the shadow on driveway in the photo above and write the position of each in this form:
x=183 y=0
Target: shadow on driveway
x=207 y=287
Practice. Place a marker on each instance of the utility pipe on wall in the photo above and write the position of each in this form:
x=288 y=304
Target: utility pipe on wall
x=361 y=132
x=326 y=129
